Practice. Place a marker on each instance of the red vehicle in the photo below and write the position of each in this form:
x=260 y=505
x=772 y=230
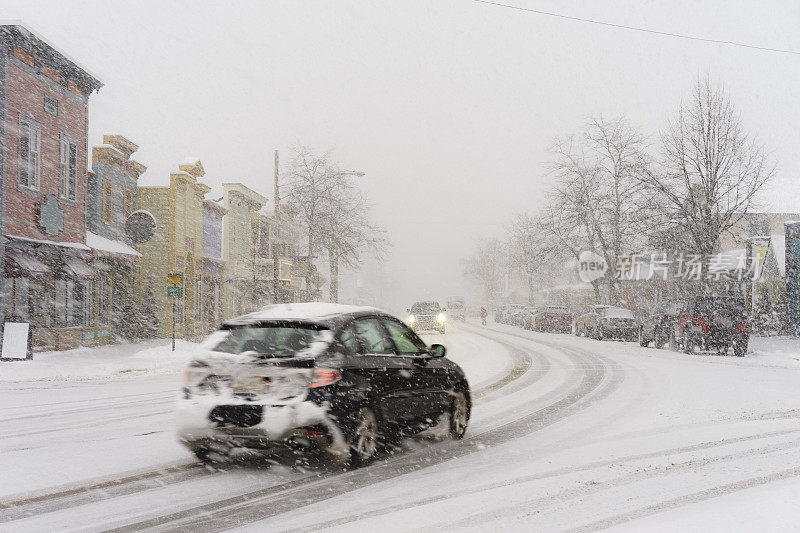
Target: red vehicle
x=553 y=318
x=712 y=323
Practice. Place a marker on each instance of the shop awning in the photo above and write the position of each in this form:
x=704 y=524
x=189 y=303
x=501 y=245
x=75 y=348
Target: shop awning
x=77 y=269
x=104 y=246
x=23 y=264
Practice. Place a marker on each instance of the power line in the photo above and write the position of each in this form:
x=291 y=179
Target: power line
x=643 y=30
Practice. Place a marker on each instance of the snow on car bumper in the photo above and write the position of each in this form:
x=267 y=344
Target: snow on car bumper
x=276 y=424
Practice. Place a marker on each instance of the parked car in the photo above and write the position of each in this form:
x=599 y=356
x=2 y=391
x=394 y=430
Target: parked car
x=527 y=320
x=552 y=318
x=712 y=323
x=606 y=322
x=346 y=380
x=517 y=316
x=505 y=313
x=657 y=325
x=456 y=308
x=427 y=316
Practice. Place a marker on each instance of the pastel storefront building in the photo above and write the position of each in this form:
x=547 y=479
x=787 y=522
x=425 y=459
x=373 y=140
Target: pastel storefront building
x=176 y=248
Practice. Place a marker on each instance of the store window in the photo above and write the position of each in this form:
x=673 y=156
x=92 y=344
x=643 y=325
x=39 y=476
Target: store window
x=103 y=301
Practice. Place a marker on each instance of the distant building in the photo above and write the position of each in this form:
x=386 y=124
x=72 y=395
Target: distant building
x=213 y=265
x=244 y=268
x=44 y=98
x=754 y=225
x=110 y=200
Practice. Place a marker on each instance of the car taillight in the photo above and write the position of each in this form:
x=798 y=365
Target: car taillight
x=323 y=377
x=604 y=320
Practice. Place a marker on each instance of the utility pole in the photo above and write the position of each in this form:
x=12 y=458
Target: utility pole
x=276 y=267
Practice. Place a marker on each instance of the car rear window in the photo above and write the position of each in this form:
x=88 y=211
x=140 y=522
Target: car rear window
x=283 y=340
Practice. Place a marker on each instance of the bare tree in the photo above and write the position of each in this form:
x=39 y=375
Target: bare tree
x=313 y=183
x=346 y=232
x=710 y=171
x=486 y=267
x=597 y=201
x=526 y=249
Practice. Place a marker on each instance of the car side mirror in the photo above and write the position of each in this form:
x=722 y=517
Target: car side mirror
x=437 y=350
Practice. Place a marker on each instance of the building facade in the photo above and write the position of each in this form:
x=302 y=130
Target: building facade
x=110 y=200
x=44 y=98
x=243 y=259
x=176 y=249
x=213 y=285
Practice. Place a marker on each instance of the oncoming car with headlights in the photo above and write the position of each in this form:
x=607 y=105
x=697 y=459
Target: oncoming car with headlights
x=341 y=379
x=427 y=316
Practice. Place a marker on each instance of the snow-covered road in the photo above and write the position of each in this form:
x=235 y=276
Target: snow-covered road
x=567 y=433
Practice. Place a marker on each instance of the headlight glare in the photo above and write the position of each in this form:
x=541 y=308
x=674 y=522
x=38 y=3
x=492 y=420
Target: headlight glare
x=440 y=318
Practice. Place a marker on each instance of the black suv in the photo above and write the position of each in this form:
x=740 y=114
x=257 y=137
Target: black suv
x=345 y=380
x=712 y=323
x=656 y=326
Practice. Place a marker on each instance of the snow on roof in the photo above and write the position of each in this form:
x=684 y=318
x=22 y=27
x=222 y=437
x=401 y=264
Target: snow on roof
x=304 y=311
x=35 y=32
x=103 y=244
x=189 y=160
x=76 y=245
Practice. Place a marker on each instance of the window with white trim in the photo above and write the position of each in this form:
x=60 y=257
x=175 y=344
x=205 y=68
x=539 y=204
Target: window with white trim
x=30 y=152
x=68 y=169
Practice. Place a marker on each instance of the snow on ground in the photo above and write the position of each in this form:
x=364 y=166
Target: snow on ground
x=592 y=435
x=102 y=362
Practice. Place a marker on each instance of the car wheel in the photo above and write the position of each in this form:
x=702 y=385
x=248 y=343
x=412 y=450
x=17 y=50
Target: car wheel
x=213 y=452
x=739 y=348
x=365 y=438
x=658 y=339
x=643 y=342
x=459 y=415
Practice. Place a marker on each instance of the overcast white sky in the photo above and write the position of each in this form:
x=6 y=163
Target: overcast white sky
x=448 y=106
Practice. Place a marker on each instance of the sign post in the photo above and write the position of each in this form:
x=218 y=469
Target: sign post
x=174 y=285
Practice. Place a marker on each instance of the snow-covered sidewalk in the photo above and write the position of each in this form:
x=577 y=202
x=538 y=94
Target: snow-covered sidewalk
x=102 y=362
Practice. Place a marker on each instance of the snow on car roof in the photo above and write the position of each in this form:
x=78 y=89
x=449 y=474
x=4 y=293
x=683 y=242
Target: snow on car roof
x=304 y=311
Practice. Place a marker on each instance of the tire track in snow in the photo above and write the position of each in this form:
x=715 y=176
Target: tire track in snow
x=552 y=474
x=18 y=507
x=595 y=384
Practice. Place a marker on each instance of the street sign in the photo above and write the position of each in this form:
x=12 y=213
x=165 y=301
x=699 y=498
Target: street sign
x=175 y=279
x=173 y=292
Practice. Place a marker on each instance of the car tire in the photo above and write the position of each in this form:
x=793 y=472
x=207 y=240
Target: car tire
x=213 y=453
x=739 y=348
x=643 y=342
x=658 y=339
x=459 y=415
x=365 y=439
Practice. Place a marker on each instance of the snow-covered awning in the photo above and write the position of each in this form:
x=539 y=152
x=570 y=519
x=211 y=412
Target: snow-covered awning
x=74 y=245
x=105 y=245
x=76 y=268
x=21 y=263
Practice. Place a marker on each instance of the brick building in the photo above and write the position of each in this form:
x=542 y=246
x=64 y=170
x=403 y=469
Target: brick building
x=44 y=98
